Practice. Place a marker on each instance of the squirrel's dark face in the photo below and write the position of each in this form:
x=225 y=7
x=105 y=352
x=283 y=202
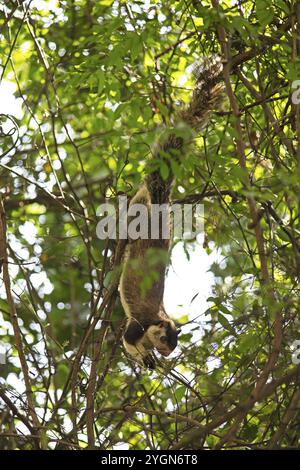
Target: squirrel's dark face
x=163 y=336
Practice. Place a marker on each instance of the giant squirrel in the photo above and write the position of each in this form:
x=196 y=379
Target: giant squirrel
x=148 y=325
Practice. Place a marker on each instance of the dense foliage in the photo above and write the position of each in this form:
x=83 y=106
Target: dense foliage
x=96 y=80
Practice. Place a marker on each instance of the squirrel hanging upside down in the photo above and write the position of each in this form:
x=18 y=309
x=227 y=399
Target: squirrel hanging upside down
x=148 y=325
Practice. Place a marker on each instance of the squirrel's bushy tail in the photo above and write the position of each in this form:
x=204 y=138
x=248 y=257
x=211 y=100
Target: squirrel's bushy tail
x=206 y=97
x=207 y=94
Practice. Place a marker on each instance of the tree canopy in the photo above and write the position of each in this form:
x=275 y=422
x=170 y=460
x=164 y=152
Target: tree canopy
x=94 y=81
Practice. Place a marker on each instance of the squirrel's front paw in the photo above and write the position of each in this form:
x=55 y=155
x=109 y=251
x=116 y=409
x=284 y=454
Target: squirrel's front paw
x=149 y=361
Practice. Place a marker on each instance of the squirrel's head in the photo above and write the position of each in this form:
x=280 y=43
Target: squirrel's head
x=163 y=336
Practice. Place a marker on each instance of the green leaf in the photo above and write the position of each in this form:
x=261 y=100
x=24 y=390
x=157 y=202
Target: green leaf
x=225 y=323
x=164 y=170
x=101 y=81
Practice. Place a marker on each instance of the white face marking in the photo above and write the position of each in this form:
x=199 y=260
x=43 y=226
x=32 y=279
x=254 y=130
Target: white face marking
x=155 y=337
x=155 y=333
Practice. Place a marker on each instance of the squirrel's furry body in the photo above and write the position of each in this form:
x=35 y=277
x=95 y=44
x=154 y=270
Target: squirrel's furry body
x=148 y=325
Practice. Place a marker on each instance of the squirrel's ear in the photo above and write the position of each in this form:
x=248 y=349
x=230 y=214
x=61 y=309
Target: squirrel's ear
x=134 y=331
